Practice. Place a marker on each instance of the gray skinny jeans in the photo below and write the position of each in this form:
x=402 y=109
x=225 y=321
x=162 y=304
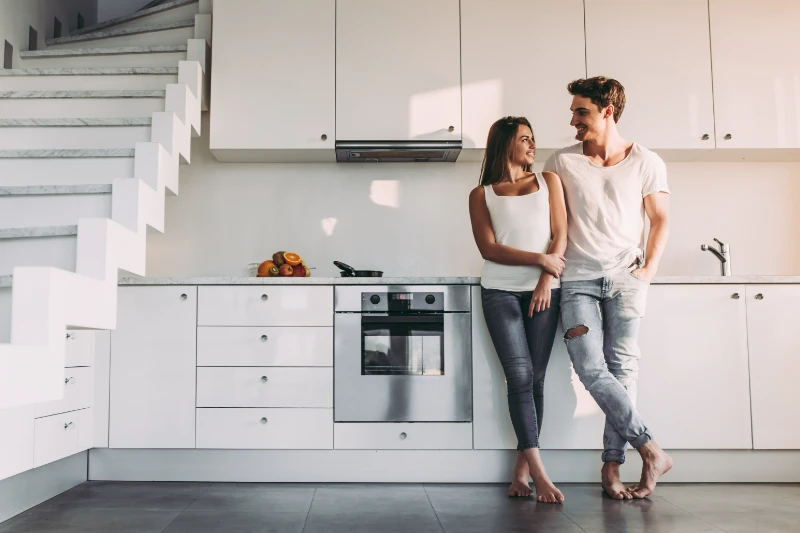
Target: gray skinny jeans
x=523 y=345
x=606 y=358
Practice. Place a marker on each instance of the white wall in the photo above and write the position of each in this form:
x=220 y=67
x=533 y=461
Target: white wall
x=412 y=219
x=109 y=9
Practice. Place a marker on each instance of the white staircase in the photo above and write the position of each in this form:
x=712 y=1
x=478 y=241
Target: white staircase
x=92 y=132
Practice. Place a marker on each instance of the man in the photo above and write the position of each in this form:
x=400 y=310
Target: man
x=609 y=184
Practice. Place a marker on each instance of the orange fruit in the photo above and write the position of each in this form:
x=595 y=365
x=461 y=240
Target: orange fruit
x=264 y=268
x=291 y=258
x=286 y=270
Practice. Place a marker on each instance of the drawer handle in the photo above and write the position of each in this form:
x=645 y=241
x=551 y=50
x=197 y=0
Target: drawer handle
x=264 y=297
x=183 y=296
x=70 y=336
x=403 y=435
x=264 y=379
x=264 y=338
x=735 y=295
x=759 y=296
x=67 y=381
x=67 y=425
x=264 y=420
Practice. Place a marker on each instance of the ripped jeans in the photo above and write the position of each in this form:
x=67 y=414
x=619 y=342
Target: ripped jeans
x=605 y=352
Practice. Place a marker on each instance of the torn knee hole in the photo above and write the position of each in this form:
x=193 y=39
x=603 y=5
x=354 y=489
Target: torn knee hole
x=577 y=331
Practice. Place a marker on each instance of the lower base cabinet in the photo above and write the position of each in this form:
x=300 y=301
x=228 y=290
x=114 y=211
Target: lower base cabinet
x=59 y=436
x=402 y=436
x=254 y=428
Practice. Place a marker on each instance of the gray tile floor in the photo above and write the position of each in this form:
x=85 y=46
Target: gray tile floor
x=114 y=507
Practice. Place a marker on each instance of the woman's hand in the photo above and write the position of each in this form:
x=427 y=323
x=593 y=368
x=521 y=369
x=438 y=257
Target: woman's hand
x=541 y=296
x=553 y=264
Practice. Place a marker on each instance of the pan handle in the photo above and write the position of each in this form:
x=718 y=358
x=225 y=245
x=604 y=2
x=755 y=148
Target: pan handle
x=345 y=268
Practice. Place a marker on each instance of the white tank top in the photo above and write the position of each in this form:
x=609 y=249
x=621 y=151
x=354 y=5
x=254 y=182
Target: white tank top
x=521 y=222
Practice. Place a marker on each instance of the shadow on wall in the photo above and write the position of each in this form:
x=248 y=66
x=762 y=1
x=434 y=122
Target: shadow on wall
x=109 y=9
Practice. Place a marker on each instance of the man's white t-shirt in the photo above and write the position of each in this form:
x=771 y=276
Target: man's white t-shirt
x=605 y=209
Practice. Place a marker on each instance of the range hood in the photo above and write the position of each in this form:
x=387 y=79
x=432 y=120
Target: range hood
x=397 y=151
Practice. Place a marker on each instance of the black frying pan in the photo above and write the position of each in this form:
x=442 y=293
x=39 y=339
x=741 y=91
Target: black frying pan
x=350 y=272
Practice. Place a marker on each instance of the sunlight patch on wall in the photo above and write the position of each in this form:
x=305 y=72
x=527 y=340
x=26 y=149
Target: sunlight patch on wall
x=429 y=113
x=328 y=225
x=385 y=192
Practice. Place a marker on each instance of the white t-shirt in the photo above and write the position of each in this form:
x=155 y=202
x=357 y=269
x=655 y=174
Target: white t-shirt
x=605 y=209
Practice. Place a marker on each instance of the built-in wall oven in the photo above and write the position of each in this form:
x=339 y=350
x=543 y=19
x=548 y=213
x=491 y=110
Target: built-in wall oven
x=402 y=354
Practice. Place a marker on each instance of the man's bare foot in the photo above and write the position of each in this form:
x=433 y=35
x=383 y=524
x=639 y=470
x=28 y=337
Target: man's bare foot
x=655 y=463
x=519 y=486
x=611 y=483
x=546 y=492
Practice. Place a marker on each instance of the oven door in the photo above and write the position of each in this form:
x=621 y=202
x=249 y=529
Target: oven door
x=402 y=368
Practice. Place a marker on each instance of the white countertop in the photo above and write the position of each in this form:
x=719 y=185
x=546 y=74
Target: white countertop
x=661 y=280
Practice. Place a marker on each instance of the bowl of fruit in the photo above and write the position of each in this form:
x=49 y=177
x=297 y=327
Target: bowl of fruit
x=284 y=264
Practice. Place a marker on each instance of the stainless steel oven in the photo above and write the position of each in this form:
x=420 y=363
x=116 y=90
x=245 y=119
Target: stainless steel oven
x=403 y=353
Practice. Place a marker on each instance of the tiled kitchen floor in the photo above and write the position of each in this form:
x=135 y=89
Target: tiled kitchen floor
x=115 y=507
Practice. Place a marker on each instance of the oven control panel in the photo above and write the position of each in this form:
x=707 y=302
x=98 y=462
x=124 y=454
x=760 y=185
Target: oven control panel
x=398 y=302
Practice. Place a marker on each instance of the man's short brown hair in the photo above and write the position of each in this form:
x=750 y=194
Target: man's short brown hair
x=602 y=92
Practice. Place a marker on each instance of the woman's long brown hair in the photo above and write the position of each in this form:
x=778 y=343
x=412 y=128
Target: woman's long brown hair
x=498 y=149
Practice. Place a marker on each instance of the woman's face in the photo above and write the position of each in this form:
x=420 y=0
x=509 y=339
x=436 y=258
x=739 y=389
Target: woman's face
x=523 y=149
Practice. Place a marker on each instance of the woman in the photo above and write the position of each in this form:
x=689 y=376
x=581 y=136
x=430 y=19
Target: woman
x=519 y=221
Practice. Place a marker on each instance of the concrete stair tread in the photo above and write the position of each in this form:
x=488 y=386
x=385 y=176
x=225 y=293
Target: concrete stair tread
x=111 y=71
x=83 y=94
x=62 y=154
x=120 y=32
x=74 y=122
x=134 y=16
x=38 y=231
x=36 y=190
x=118 y=50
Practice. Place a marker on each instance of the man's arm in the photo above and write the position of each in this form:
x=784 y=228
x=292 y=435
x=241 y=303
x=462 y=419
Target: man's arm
x=657 y=207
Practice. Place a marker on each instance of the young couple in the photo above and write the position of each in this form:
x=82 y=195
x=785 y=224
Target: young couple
x=570 y=240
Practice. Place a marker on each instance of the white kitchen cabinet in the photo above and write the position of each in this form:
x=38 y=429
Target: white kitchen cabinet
x=403 y=436
x=79 y=348
x=398 y=72
x=78 y=393
x=264 y=387
x=525 y=76
x=16 y=448
x=55 y=437
x=264 y=346
x=274 y=81
x=288 y=429
x=667 y=80
x=265 y=306
x=693 y=383
x=153 y=364
x=756 y=79
x=774 y=365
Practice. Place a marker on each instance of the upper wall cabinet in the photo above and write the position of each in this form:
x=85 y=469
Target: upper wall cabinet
x=517 y=57
x=659 y=50
x=756 y=74
x=398 y=73
x=274 y=80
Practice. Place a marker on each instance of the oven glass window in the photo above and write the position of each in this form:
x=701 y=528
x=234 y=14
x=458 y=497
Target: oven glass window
x=402 y=346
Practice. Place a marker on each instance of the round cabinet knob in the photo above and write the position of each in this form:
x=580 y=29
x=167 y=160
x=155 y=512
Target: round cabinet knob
x=264 y=297
x=403 y=436
x=264 y=338
x=451 y=129
x=759 y=296
x=728 y=137
x=264 y=379
x=323 y=137
x=735 y=295
x=264 y=420
x=429 y=299
x=375 y=299
x=183 y=296
x=706 y=137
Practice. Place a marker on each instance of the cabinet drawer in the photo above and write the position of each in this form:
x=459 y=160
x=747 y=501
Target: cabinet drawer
x=289 y=429
x=78 y=392
x=55 y=437
x=403 y=436
x=264 y=387
x=254 y=346
x=265 y=306
x=79 y=348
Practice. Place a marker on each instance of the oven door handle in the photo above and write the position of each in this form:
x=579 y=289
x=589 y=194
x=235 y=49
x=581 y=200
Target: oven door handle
x=383 y=318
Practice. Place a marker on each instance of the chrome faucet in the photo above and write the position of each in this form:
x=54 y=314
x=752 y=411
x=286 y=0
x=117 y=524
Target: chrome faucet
x=723 y=254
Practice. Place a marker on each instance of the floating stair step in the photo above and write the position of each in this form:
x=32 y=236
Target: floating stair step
x=167 y=12
x=169 y=33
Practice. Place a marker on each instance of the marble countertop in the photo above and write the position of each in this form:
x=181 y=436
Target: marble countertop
x=661 y=280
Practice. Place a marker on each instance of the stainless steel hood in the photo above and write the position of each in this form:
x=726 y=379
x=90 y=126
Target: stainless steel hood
x=397 y=152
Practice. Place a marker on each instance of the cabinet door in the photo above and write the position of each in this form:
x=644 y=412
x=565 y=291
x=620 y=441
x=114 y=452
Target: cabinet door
x=524 y=74
x=774 y=364
x=398 y=72
x=667 y=78
x=273 y=76
x=254 y=346
x=55 y=437
x=80 y=348
x=756 y=79
x=693 y=377
x=153 y=368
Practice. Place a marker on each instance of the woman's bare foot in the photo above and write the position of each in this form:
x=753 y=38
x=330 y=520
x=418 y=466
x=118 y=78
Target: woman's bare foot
x=655 y=463
x=519 y=486
x=611 y=483
x=546 y=492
